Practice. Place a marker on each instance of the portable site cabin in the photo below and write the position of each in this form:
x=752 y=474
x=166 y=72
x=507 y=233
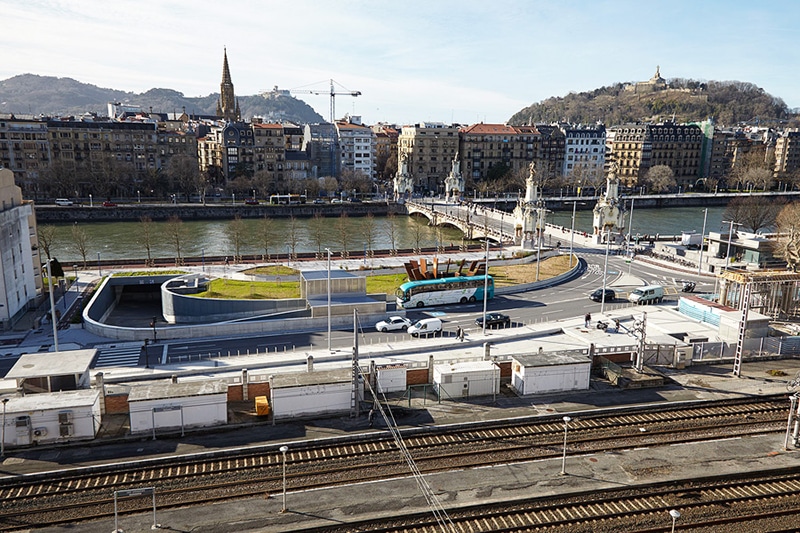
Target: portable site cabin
x=315 y=393
x=158 y=405
x=466 y=380
x=51 y=417
x=550 y=372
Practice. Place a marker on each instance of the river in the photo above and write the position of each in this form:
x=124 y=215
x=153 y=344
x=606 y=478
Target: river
x=121 y=240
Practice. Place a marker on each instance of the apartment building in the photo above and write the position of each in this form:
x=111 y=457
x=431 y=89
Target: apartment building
x=356 y=146
x=429 y=149
x=787 y=154
x=584 y=150
x=25 y=150
x=638 y=147
x=269 y=146
x=484 y=147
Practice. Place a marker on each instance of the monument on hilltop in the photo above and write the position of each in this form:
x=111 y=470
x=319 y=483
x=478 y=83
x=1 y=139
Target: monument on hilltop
x=609 y=211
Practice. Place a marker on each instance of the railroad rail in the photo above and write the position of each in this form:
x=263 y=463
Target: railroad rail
x=81 y=494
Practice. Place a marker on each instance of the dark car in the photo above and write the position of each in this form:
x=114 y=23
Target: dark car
x=354 y=200
x=251 y=201
x=598 y=295
x=109 y=203
x=494 y=319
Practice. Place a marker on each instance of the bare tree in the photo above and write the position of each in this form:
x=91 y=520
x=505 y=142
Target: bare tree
x=342 y=230
x=81 y=240
x=293 y=236
x=147 y=233
x=236 y=234
x=266 y=235
x=316 y=228
x=417 y=233
x=660 y=178
x=177 y=234
x=392 y=231
x=368 y=233
x=46 y=235
x=183 y=174
x=758 y=178
x=752 y=212
x=788 y=226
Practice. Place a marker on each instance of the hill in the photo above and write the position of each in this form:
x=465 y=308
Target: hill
x=728 y=102
x=51 y=96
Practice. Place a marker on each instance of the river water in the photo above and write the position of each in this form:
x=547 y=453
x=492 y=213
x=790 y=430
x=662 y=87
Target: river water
x=122 y=240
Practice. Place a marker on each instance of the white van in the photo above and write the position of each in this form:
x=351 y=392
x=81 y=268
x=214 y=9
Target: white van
x=647 y=295
x=63 y=201
x=426 y=326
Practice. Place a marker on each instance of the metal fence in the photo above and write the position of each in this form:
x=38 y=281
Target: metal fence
x=752 y=349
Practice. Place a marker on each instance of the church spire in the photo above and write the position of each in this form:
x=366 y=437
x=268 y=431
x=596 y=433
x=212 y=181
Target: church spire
x=227 y=105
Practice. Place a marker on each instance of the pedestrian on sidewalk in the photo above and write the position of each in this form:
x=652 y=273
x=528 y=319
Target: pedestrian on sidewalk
x=371 y=417
x=587 y=319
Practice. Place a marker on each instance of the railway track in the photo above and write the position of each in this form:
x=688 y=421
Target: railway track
x=767 y=502
x=86 y=494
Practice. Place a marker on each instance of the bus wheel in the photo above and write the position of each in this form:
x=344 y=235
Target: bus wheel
x=472 y=299
x=463 y=300
x=420 y=304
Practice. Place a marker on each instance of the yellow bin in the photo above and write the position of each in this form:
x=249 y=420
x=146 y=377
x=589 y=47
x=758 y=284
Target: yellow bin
x=262 y=406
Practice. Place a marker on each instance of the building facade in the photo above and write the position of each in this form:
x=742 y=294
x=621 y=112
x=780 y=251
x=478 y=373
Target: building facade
x=356 y=146
x=429 y=149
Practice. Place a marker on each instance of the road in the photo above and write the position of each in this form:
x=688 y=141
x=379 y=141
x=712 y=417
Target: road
x=551 y=304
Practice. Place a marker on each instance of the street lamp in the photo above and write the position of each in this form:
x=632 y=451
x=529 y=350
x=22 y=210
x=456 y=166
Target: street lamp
x=90 y=200
x=572 y=231
x=703 y=241
x=283 y=450
x=139 y=196
x=75 y=268
x=329 y=298
x=3 y=437
x=566 y=420
x=605 y=271
x=153 y=325
x=675 y=515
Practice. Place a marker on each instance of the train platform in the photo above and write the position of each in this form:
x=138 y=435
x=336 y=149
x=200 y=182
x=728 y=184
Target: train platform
x=341 y=505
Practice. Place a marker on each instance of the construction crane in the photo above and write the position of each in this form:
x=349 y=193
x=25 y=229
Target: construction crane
x=333 y=93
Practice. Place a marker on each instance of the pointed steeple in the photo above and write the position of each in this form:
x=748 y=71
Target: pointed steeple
x=227 y=106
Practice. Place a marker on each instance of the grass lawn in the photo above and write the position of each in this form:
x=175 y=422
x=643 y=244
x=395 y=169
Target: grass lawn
x=383 y=283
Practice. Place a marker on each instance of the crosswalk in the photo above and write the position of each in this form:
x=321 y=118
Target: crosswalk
x=118 y=355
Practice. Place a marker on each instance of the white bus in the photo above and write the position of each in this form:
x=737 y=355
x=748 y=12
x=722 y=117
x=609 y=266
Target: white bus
x=440 y=291
x=287 y=199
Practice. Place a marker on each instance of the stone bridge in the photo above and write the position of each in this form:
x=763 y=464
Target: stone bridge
x=475 y=221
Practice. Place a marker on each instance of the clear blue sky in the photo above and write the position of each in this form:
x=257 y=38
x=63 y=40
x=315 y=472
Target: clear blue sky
x=413 y=60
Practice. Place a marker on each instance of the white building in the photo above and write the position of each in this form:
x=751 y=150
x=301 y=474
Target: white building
x=53 y=417
x=584 y=148
x=312 y=394
x=357 y=145
x=20 y=268
x=550 y=372
x=456 y=381
x=158 y=405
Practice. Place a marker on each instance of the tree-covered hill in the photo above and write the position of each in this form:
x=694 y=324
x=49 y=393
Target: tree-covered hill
x=727 y=102
x=30 y=94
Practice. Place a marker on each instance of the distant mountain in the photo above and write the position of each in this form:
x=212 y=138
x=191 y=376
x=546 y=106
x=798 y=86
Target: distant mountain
x=47 y=95
x=728 y=102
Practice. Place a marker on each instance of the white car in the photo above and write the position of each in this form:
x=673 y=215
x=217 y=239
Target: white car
x=393 y=323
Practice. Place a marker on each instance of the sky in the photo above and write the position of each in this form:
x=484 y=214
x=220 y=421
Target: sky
x=452 y=61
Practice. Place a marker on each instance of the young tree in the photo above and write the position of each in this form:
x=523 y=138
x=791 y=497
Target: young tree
x=788 y=226
x=177 y=234
x=147 y=233
x=392 y=232
x=46 y=235
x=317 y=229
x=293 y=236
x=342 y=230
x=752 y=212
x=183 y=174
x=660 y=178
x=81 y=240
x=368 y=233
x=417 y=233
x=266 y=235
x=236 y=234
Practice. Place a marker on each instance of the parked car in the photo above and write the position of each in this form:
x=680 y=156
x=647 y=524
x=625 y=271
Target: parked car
x=109 y=203
x=354 y=200
x=393 y=323
x=318 y=201
x=251 y=201
x=426 y=326
x=63 y=201
x=598 y=295
x=336 y=201
x=494 y=319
